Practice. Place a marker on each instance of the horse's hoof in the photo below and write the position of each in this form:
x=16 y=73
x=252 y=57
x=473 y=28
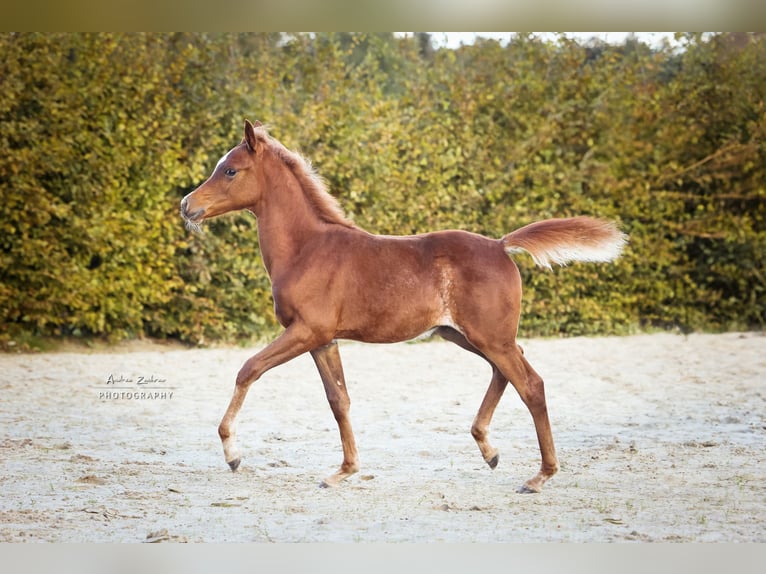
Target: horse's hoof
x=328 y=483
x=524 y=489
x=234 y=464
x=493 y=461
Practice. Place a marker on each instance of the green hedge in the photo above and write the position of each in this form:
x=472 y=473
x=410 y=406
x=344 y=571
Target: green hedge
x=102 y=134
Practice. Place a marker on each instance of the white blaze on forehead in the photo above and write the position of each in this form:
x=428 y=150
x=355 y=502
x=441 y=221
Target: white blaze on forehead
x=223 y=159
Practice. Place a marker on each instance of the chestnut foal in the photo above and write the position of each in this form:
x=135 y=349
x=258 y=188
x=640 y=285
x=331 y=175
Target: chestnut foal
x=332 y=280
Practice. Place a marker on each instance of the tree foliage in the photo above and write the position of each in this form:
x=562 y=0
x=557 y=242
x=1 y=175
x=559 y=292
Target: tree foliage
x=102 y=134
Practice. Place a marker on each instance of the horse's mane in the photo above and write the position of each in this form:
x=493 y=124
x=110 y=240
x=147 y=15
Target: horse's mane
x=314 y=187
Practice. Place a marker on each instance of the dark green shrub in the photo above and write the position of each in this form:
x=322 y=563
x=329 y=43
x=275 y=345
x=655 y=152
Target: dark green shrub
x=102 y=134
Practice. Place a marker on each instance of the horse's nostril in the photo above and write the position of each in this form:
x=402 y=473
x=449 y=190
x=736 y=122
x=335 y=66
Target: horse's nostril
x=185 y=210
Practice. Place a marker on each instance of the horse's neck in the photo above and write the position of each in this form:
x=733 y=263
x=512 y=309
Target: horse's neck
x=286 y=222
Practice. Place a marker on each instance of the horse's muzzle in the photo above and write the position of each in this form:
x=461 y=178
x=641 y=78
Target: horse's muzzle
x=191 y=217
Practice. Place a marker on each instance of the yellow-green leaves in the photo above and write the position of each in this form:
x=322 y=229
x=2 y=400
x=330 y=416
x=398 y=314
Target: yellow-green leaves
x=102 y=134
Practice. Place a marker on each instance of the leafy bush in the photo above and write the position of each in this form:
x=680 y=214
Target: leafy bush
x=104 y=133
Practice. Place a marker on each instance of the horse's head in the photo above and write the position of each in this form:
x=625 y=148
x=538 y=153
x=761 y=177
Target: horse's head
x=233 y=184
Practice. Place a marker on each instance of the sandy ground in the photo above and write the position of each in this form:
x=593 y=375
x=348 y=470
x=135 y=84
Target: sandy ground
x=660 y=438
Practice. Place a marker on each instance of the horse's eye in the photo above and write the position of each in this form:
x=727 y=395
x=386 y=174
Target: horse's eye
x=230 y=172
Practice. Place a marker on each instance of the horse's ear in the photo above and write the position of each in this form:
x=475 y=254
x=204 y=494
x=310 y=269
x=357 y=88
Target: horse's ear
x=250 y=137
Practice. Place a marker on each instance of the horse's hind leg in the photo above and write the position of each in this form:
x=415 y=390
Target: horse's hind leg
x=508 y=363
x=327 y=359
x=480 y=426
x=512 y=363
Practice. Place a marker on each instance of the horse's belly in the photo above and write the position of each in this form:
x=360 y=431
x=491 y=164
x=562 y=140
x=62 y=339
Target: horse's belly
x=389 y=321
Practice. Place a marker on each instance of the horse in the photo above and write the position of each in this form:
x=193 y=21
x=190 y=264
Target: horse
x=333 y=280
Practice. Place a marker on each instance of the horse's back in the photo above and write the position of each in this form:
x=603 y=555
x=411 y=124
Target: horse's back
x=423 y=260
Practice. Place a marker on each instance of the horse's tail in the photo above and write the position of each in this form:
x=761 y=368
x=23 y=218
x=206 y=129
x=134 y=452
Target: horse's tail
x=563 y=240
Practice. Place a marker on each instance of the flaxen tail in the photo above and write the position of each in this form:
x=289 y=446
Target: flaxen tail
x=563 y=240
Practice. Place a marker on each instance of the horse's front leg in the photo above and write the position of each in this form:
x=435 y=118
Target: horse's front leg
x=327 y=359
x=294 y=341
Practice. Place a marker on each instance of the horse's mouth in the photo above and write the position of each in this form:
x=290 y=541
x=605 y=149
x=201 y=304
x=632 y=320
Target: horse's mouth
x=192 y=220
x=194 y=217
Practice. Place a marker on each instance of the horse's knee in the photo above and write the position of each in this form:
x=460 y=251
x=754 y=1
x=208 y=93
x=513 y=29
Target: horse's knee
x=247 y=374
x=534 y=393
x=478 y=433
x=340 y=406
